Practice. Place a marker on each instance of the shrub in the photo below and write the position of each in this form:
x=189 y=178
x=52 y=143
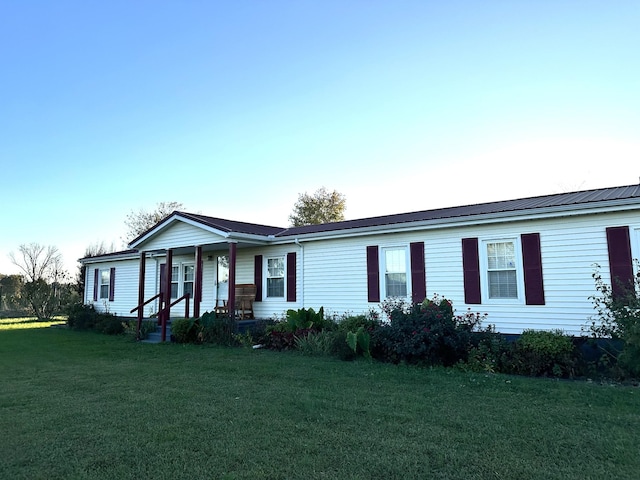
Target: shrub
x=82 y=317
x=213 y=329
x=315 y=342
x=184 y=330
x=109 y=324
x=490 y=353
x=428 y=333
x=618 y=318
x=146 y=327
x=544 y=353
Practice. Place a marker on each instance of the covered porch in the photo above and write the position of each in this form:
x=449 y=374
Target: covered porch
x=179 y=286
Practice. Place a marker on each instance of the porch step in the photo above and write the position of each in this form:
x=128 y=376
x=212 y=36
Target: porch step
x=156 y=337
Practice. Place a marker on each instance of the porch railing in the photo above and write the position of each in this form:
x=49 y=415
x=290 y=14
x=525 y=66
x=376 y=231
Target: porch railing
x=163 y=314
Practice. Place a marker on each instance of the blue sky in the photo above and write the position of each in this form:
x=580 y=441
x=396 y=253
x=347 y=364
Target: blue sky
x=235 y=107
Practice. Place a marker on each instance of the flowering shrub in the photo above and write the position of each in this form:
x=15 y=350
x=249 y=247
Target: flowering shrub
x=424 y=333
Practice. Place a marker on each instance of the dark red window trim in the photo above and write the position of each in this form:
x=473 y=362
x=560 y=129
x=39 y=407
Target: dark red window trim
x=532 y=266
x=112 y=283
x=373 y=274
x=471 y=271
x=620 y=261
x=257 y=276
x=418 y=274
x=291 y=277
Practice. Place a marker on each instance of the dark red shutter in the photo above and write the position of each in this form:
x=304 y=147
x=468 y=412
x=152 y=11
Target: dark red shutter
x=257 y=276
x=373 y=274
x=620 y=263
x=112 y=283
x=291 y=277
x=418 y=274
x=471 y=268
x=96 y=278
x=532 y=264
x=163 y=278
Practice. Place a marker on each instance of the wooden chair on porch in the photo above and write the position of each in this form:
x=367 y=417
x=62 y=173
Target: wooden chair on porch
x=245 y=296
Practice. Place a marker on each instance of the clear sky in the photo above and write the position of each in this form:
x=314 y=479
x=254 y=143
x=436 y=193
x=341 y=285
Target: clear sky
x=235 y=107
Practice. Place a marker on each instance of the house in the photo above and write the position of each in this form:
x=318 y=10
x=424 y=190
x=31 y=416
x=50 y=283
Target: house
x=527 y=263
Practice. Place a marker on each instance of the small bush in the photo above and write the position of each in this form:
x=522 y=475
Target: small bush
x=490 y=353
x=184 y=330
x=213 y=329
x=315 y=343
x=544 y=353
x=109 y=324
x=82 y=317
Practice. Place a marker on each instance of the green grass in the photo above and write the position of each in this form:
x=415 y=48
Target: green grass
x=78 y=405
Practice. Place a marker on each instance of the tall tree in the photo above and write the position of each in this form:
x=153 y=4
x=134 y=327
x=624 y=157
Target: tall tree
x=142 y=220
x=42 y=268
x=321 y=206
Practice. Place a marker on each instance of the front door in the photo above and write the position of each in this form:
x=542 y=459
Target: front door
x=222 y=280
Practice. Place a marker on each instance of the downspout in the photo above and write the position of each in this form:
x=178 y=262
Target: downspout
x=297 y=242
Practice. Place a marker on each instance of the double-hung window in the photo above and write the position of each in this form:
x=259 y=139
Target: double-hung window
x=188 y=276
x=395 y=271
x=502 y=272
x=175 y=276
x=275 y=277
x=105 y=281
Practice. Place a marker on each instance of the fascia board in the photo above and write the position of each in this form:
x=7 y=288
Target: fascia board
x=542 y=213
x=109 y=258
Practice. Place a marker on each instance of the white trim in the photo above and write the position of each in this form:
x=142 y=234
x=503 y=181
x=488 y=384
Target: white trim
x=265 y=289
x=383 y=268
x=484 y=270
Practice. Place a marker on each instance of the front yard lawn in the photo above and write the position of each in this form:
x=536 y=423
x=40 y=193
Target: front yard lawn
x=89 y=406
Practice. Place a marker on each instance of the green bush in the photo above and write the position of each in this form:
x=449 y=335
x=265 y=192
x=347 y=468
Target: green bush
x=618 y=318
x=544 y=353
x=315 y=342
x=426 y=333
x=109 y=324
x=184 y=330
x=490 y=353
x=81 y=317
x=213 y=329
x=85 y=317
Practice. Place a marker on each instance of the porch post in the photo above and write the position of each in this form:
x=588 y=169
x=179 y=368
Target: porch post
x=197 y=288
x=167 y=295
x=143 y=259
x=232 y=280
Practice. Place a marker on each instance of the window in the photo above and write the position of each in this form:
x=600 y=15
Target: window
x=105 y=281
x=275 y=277
x=175 y=275
x=395 y=271
x=502 y=274
x=188 y=275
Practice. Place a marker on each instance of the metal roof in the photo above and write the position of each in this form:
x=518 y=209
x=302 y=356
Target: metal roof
x=523 y=204
x=527 y=205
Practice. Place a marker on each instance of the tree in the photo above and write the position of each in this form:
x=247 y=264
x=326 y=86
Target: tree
x=142 y=220
x=42 y=269
x=320 y=207
x=10 y=291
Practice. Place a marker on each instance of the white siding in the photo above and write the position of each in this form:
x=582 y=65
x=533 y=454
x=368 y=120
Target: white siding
x=332 y=273
x=180 y=234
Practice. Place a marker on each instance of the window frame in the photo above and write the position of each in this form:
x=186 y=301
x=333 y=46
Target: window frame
x=383 y=269
x=267 y=277
x=518 y=268
x=102 y=284
x=180 y=281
